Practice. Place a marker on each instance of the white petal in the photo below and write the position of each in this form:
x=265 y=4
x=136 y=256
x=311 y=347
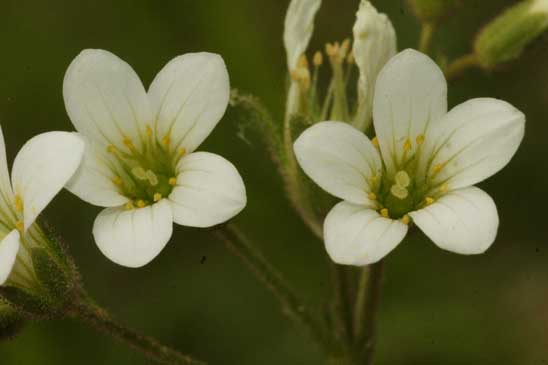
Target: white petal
x=6 y=197
x=105 y=99
x=93 y=182
x=472 y=142
x=42 y=167
x=209 y=191
x=374 y=45
x=356 y=235
x=189 y=97
x=340 y=159
x=410 y=94
x=299 y=25
x=133 y=238
x=463 y=221
x=9 y=247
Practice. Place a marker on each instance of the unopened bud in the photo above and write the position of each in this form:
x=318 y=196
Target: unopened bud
x=504 y=38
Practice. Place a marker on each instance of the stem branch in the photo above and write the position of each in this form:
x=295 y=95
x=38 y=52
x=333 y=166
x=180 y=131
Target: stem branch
x=236 y=242
x=86 y=311
x=460 y=65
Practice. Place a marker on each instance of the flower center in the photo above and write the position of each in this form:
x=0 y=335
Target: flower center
x=148 y=174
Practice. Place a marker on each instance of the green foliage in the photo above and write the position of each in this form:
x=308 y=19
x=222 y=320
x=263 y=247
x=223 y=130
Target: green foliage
x=11 y=321
x=505 y=38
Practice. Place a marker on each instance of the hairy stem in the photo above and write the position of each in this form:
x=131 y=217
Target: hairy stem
x=365 y=311
x=87 y=312
x=292 y=307
x=457 y=68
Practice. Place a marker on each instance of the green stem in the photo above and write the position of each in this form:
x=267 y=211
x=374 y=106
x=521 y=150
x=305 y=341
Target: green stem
x=292 y=307
x=427 y=33
x=86 y=311
x=460 y=65
x=365 y=311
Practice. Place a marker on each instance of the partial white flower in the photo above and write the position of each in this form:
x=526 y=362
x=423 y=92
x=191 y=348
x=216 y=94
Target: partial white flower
x=374 y=44
x=419 y=169
x=40 y=170
x=140 y=161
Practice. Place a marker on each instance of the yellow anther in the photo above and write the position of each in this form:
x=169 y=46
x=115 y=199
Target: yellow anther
x=302 y=75
x=444 y=188
x=302 y=62
x=332 y=49
x=405 y=219
x=373 y=179
x=149 y=131
x=111 y=149
x=129 y=206
x=166 y=140
x=117 y=181
x=172 y=181
x=407 y=145
x=437 y=168
x=152 y=178
x=20 y=226
x=384 y=213
x=140 y=203
x=372 y=196
x=345 y=47
x=139 y=173
x=375 y=142
x=420 y=139
x=318 y=59
x=128 y=143
x=429 y=200
x=399 y=191
x=182 y=152
x=18 y=203
x=402 y=179
x=157 y=197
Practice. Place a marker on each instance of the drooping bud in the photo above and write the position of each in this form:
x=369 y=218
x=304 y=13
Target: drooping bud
x=432 y=11
x=504 y=38
x=374 y=45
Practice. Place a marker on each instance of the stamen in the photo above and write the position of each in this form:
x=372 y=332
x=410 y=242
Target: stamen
x=166 y=140
x=407 y=145
x=429 y=200
x=128 y=143
x=117 y=181
x=399 y=191
x=152 y=178
x=139 y=173
x=111 y=149
x=345 y=47
x=302 y=62
x=20 y=226
x=141 y=203
x=129 y=206
x=420 y=139
x=372 y=196
x=375 y=142
x=405 y=219
x=157 y=197
x=402 y=179
x=438 y=167
x=444 y=188
x=172 y=181
x=149 y=130
x=351 y=59
x=18 y=203
x=384 y=212
x=182 y=152
x=318 y=59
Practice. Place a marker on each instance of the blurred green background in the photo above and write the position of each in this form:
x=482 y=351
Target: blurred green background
x=437 y=307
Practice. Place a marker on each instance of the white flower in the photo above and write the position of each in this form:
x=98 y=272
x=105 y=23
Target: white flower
x=429 y=159
x=40 y=170
x=140 y=161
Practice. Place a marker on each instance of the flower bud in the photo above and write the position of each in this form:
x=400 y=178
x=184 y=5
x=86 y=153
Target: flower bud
x=374 y=45
x=432 y=11
x=504 y=38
